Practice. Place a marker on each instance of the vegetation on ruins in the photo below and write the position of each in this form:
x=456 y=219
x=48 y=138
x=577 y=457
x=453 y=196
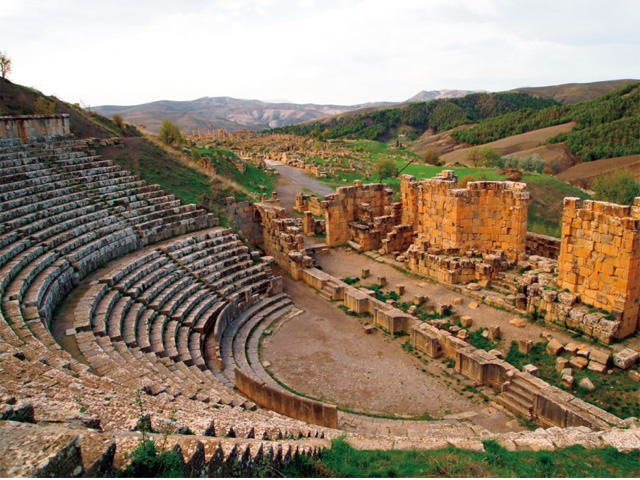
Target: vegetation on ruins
x=495 y=461
x=617 y=187
x=623 y=405
x=118 y=121
x=416 y=118
x=606 y=127
x=5 y=65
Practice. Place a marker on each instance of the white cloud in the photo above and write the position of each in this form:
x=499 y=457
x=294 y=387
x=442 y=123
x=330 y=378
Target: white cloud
x=339 y=51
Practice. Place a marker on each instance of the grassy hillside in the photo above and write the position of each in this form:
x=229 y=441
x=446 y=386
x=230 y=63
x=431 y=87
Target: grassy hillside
x=414 y=119
x=605 y=127
x=570 y=93
x=19 y=100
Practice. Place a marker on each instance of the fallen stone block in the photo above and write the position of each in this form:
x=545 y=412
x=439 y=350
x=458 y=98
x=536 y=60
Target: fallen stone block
x=566 y=371
x=494 y=332
x=579 y=362
x=625 y=358
x=583 y=352
x=531 y=370
x=561 y=364
x=518 y=322
x=368 y=329
x=466 y=321
x=474 y=287
x=525 y=346
x=496 y=353
x=554 y=347
x=599 y=356
x=571 y=347
x=596 y=367
x=457 y=301
x=473 y=305
x=418 y=299
x=400 y=289
x=634 y=375
x=364 y=273
x=567 y=381
x=587 y=384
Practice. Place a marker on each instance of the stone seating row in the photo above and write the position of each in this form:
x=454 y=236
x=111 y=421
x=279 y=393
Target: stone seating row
x=43 y=267
x=57 y=451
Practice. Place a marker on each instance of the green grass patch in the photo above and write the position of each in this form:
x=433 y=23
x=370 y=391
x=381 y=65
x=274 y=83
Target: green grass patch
x=155 y=166
x=576 y=461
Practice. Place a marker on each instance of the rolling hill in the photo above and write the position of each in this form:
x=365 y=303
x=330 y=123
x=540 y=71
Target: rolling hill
x=570 y=93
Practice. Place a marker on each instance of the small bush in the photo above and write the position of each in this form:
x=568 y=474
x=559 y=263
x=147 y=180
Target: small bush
x=148 y=462
x=432 y=157
x=618 y=187
x=118 y=121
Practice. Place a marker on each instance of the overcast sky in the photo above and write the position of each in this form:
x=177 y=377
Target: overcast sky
x=323 y=51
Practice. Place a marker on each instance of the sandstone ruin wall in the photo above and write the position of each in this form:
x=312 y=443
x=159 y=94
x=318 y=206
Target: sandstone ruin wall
x=31 y=128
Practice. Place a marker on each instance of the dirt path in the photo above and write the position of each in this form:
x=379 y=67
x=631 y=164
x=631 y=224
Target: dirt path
x=291 y=181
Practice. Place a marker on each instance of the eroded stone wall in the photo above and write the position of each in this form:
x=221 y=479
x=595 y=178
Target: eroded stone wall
x=359 y=203
x=484 y=216
x=31 y=128
x=542 y=245
x=600 y=258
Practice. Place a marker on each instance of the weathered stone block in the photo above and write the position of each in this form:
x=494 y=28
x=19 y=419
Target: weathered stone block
x=625 y=358
x=587 y=384
x=568 y=381
x=530 y=369
x=596 y=367
x=466 y=321
x=554 y=347
x=561 y=364
x=578 y=362
x=525 y=346
x=457 y=301
x=494 y=332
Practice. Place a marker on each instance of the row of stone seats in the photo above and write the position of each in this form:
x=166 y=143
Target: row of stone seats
x=39 y=266
x=166 y=282
x=234 y=347
x=55 y=451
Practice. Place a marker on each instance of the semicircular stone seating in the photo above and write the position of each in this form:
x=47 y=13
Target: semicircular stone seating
x=140 y=326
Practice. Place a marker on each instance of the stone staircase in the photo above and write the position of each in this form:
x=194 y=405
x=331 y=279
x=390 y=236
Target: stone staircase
x=518 y=396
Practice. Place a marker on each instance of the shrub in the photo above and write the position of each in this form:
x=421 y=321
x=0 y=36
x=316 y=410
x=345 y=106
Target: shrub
x=148 y=462
x=432 y=157
x=118 y=120
x=170 y=133
x=617 y=187
x=531 y=163
x=42 y=107
x=386 y=168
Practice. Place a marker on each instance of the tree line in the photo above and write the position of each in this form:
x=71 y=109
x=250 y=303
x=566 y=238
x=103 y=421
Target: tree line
x=607 y=126
x=438 y=115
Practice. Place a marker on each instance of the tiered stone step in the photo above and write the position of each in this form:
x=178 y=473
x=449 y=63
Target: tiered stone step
x=55 y=451
x=518 y=396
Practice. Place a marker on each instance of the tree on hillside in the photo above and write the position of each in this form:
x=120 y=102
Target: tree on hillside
x=385 y=168
x=170 y=133
x=490 y=158
x=432 y=157
x=617 y=187
x=5 y=65
x=474 y=157
x=118 y=121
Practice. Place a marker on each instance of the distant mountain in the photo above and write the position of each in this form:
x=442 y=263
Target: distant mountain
x=570 y=93
x=428 y=95
x=222 y=112
x=236 y=114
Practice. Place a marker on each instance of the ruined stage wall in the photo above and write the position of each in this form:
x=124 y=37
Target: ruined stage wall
x=484 y=216
x=600 y=257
